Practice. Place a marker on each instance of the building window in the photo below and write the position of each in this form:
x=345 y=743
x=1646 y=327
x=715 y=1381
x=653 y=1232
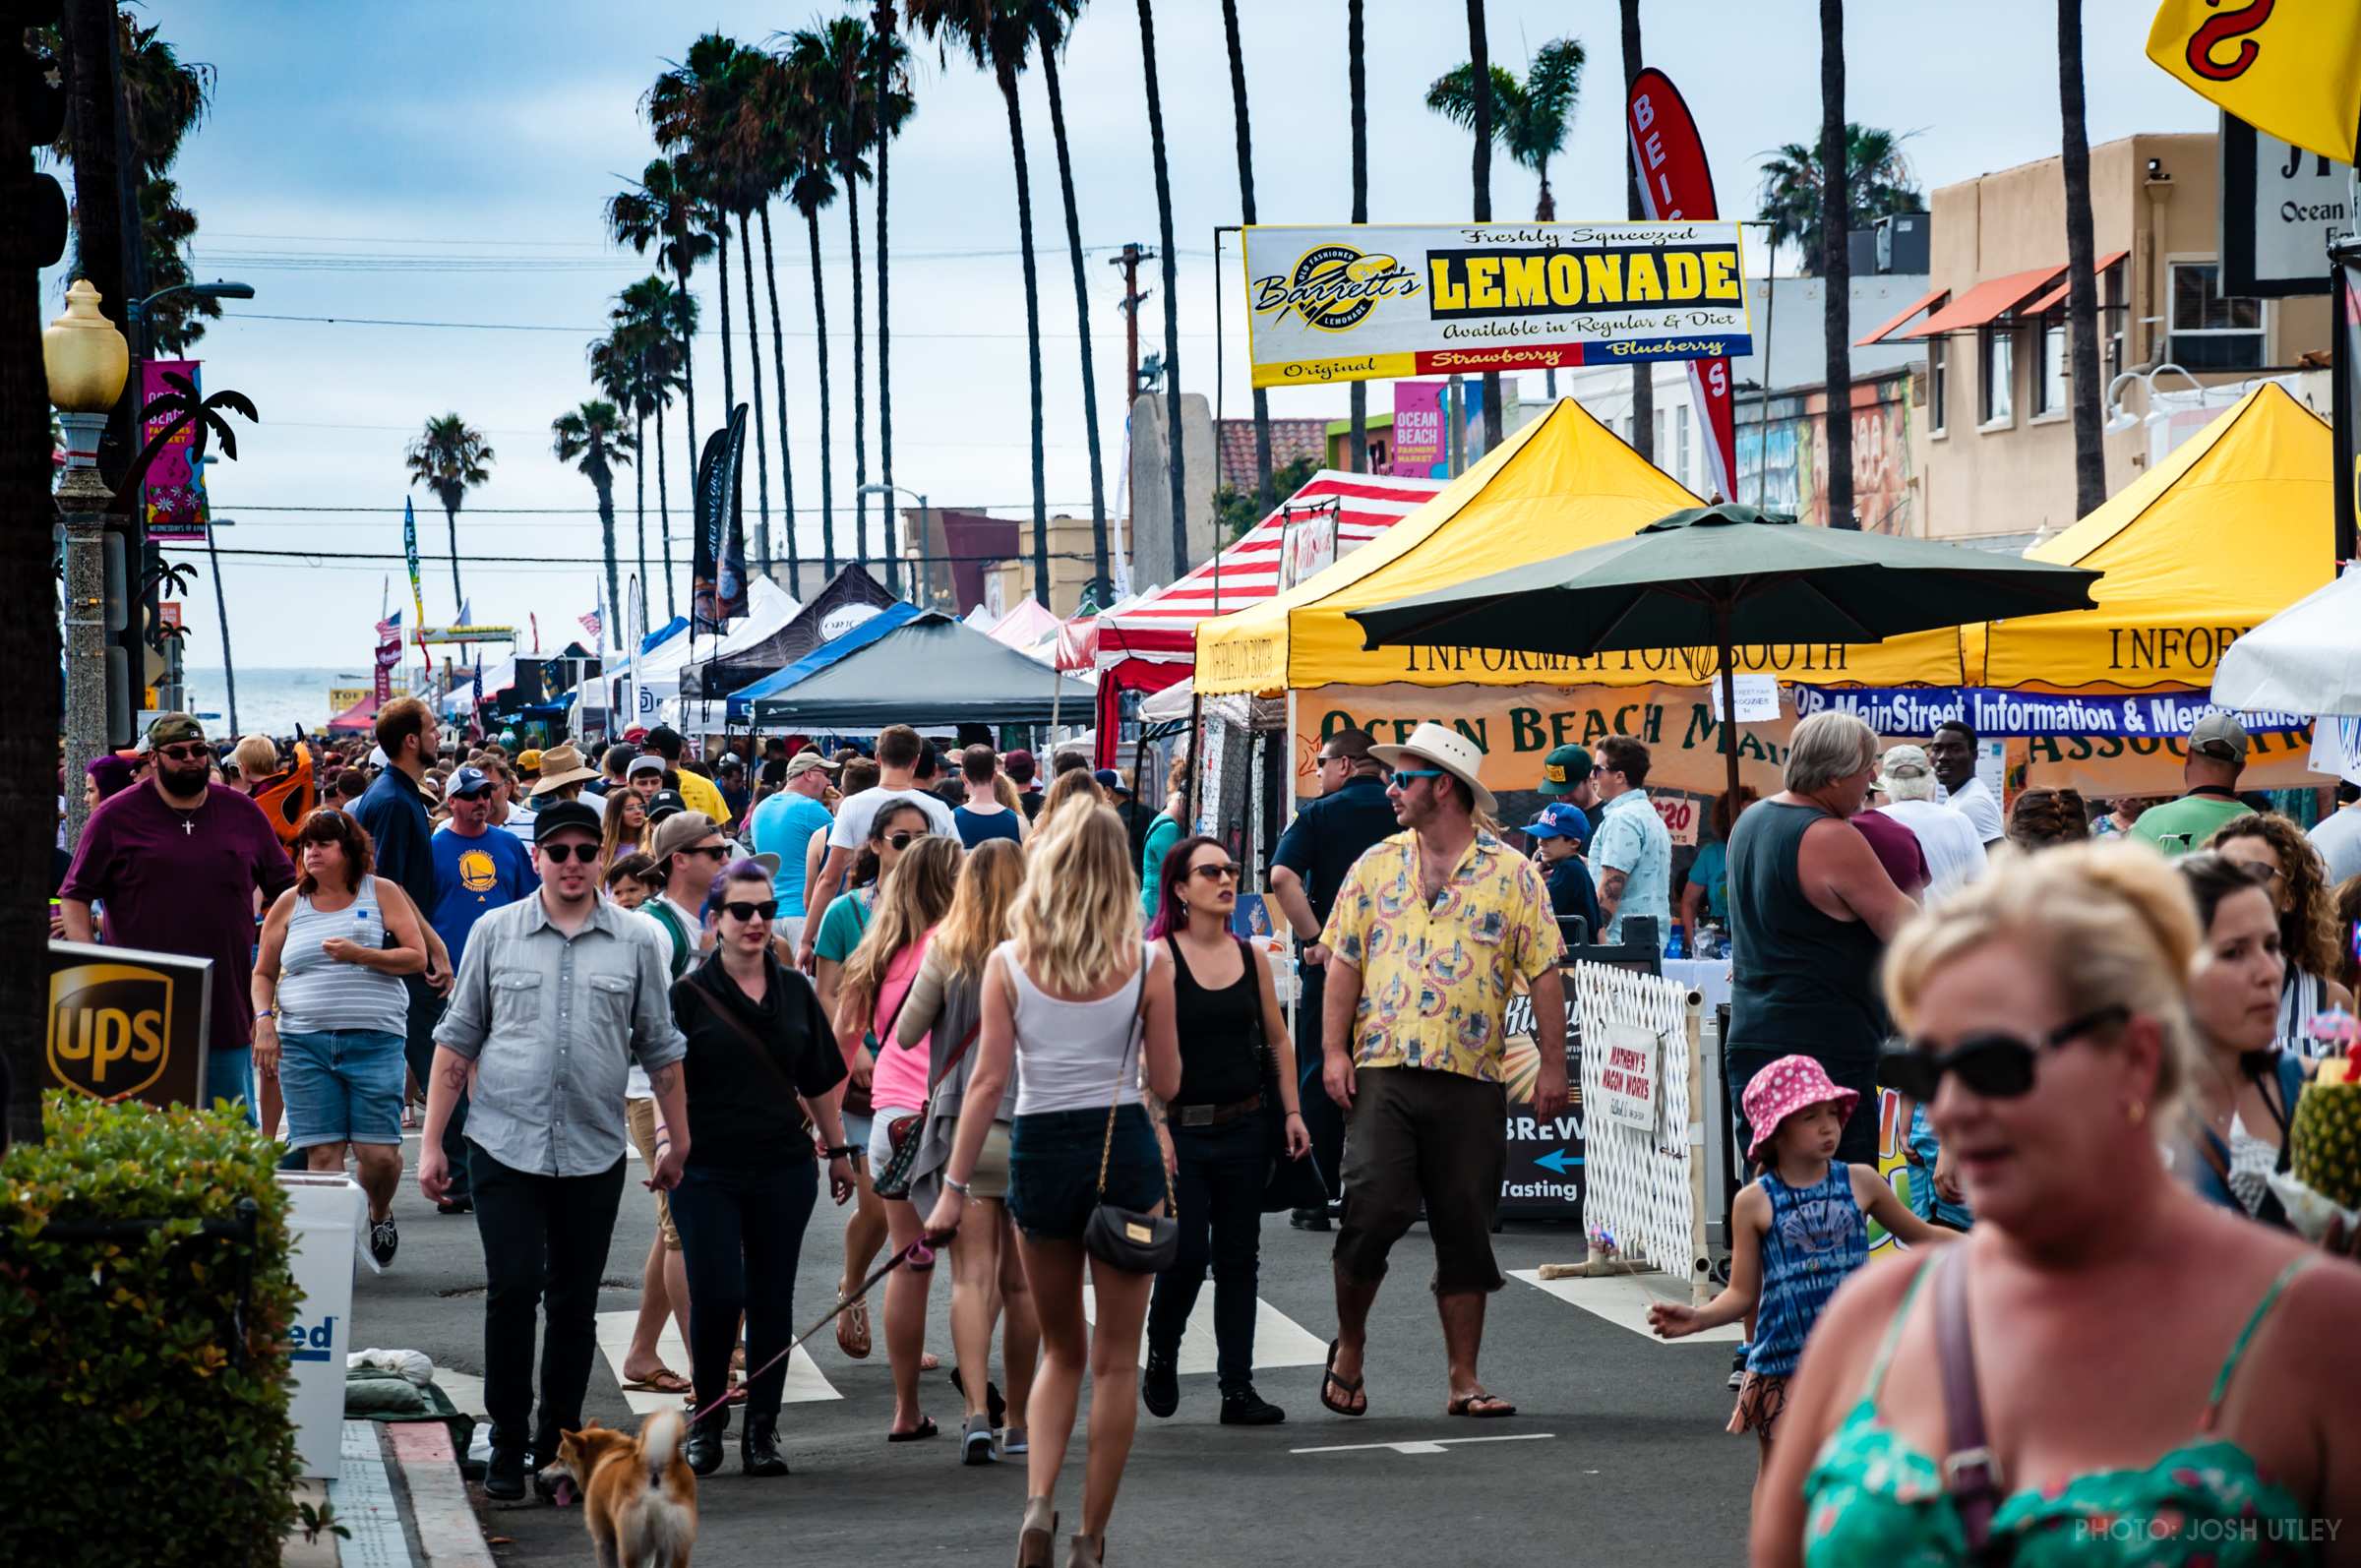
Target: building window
x=2049 y=388
x=1680 y=436
x=1938 y=383
x=2208 y=330
x=1999 y=374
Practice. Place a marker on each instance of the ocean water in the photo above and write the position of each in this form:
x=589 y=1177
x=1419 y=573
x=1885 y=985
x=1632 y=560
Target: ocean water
x=270 y=700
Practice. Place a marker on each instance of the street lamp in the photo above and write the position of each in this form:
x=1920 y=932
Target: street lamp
x=86 y=361
x=892 y=580
x=217 y=289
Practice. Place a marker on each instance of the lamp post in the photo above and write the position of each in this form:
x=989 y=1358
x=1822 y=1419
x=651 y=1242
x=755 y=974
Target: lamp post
x=892 y=576
x=86 y=360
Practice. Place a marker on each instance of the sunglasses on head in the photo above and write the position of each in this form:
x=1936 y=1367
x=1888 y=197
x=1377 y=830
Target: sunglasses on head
x=187 y=752
x=902 y=839
x=560 y=854
x=1995 y=1064
x=740 y=910
x=1223 y=872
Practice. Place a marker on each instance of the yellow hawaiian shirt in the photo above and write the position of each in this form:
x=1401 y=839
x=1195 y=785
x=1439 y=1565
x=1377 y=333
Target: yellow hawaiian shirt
x=1435 y=979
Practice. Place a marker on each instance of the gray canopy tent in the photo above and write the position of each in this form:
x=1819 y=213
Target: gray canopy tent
x=932 y=670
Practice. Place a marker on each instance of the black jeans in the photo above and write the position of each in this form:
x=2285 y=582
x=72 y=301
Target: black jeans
x=742 y=1231
x=418 y=1050
x=1220 y=1207
x=545 y=1244
x=1321 y=1116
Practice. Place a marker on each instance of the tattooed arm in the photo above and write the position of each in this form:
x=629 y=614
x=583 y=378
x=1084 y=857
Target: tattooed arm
x=447 y=1080
x=672 y=1137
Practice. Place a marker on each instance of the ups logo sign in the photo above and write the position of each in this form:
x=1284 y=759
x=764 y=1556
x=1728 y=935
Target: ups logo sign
x=109 y=1028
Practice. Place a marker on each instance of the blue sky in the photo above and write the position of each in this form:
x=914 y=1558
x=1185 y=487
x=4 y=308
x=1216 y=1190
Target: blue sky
x=447 y=162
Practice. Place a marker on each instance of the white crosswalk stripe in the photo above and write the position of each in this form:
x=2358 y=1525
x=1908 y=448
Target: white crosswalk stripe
x=1279 y=1340
x=805 y=1380
x=1623 y=1300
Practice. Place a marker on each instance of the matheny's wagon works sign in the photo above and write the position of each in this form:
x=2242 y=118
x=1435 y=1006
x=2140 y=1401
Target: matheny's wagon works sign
x=1356 y=302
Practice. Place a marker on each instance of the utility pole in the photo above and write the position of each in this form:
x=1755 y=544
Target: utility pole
x=1132 y=255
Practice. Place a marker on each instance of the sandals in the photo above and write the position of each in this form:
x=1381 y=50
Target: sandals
x=1350 y=1386
x=1483 y=1407
x=1037 y=1536
x=663 y=1380
x=852 y=1331
x=924 y=1428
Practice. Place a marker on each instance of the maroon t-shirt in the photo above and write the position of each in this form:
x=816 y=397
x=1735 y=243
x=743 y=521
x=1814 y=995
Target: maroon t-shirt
x=1897 y=849
x=183 y=883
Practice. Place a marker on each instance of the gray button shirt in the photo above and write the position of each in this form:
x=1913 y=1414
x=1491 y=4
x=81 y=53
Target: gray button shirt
x=553 y=1024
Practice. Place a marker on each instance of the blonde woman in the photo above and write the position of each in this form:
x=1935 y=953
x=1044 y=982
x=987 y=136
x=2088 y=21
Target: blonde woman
x=987 y=1279
x=1072 y=787
x=875 y=981
x=2049 y=1011
x=1076 y=1001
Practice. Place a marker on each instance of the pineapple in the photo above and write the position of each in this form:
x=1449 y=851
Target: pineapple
x=2326 y=1132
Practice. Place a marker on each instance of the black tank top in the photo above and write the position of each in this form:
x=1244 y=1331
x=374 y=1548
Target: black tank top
x=1221 y=1033
x=1800 y=981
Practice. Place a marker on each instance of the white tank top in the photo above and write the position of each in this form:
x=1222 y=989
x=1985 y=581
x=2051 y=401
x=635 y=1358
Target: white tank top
x=1070 y=1052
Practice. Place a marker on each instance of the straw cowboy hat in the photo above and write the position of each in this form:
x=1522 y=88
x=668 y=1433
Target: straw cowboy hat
x=562 y=765
x=1447 y=750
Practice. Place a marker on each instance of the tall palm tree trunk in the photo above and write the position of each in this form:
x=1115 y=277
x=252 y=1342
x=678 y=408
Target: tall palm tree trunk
x=1643 y=374
x=852 y=228
x=753 y=362
x=1246 y=211
x=451 y=520
x=882 y=21
x=1356 y=79
x=827 y=428
x=779 y=365
x=663 y=524
x=230 y=671
x=729 y=382
x=1005 y=73
x=640 y=490
x=1172 y=286
x=2082 y=283
x=1102 y=571
x=604 y=483
x=1836 y=244
x=688 y=401
x=1480 y=67
x=689 y=373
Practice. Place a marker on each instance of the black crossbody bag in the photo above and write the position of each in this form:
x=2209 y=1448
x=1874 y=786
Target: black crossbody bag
x=1126 y=1238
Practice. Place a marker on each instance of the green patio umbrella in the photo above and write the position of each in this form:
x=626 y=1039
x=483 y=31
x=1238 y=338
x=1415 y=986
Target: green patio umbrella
x=1717 y=576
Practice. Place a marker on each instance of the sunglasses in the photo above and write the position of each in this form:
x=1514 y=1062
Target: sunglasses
x=1323 y=762
x=902 y=839
x=740 y=910
x=712 y=850
x=1223 y=873
x=187 y=752
x=1996 y=1064
x=560 y=854
x=1405 y=774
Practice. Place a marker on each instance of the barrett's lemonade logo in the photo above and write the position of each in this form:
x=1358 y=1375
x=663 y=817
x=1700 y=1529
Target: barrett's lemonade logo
x=1333 y=287
x=107 y=1027
x=477 y=872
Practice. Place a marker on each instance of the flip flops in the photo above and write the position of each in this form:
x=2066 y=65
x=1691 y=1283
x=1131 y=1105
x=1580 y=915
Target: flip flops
x=1482 y=1407
x=924 y=1428
x=663 y=1380
x=1350 y=1386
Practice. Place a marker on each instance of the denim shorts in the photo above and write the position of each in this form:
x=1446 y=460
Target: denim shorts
x=1053 y=1169
x=341 y=1086
x=858 y=1131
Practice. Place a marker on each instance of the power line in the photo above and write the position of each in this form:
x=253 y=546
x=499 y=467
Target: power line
x=702 y=331
x=592 y=512
x=474 y=561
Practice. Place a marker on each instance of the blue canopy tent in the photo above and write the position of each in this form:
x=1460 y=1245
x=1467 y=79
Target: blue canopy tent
x=741 y=701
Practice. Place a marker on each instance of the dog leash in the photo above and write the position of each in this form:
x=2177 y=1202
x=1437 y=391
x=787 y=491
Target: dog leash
x=919 y=1254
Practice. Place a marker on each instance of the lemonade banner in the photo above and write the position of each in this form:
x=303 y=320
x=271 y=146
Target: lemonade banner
x=1358 y=302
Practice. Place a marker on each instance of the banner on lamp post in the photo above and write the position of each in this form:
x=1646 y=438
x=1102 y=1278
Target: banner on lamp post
x=717 y=592
x=172 y=491
x=1676 y=184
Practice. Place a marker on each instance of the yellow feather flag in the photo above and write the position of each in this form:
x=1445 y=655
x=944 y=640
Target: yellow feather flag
x=2289 y=67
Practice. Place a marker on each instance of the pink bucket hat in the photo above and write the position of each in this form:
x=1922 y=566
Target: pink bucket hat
x=1784 y=1087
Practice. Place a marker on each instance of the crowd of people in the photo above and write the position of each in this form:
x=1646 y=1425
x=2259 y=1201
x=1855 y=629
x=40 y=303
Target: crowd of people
x=1018 y=1020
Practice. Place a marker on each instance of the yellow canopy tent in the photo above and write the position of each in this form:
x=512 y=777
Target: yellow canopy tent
x=1562 y=483
x=2235 y=525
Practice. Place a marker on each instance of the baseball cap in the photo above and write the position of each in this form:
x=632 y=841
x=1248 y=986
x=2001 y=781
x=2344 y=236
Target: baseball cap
x=565 y=815
x=1565 y=770
x=648 y=763
x=618 y=757
x=1110 y=779
x=1900 y=762
x=679 y=830
x=636 y=734
x=1019 y=765
x=2221 y=736
x=170 y=729
x=808 y=762
x=729 y=763
x=530 y=761
x=378 y=758
x=1559 y=819
x=467 y=783
x=664 y=804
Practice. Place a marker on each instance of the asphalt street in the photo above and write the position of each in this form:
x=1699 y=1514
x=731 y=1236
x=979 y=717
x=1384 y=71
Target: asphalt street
x=1617 y=1455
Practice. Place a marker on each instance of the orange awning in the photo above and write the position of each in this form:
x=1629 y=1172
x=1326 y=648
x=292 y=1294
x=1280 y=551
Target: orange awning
x=1914 y=307
x=1983 y=302
x=2057 y=295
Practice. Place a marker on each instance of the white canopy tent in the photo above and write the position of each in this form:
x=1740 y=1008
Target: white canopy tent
x=2306 y=659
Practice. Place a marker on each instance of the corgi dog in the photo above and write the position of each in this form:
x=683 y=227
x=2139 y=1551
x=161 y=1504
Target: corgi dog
x=639 y=1496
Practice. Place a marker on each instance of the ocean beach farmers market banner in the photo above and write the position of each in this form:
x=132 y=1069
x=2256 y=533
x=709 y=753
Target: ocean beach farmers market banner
x=1360 y=302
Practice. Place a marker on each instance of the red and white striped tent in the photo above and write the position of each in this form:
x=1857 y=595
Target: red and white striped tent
x=1152 y=642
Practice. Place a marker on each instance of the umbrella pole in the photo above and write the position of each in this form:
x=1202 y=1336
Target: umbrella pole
x=1729 y=701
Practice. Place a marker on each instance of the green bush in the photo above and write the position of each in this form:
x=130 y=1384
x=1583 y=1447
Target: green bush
x=137 y=1423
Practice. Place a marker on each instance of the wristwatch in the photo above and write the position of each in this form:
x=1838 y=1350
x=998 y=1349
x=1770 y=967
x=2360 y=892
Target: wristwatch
x=840 y=1151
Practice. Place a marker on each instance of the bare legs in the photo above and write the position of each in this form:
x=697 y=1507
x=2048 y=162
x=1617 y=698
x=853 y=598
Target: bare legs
x=663 y=1289
x=1354 y=1298
x=988 y=1283
x=863 y=1233
x=380 y=1169
x=906 y=1319
x=1462 y=1313
x=1112 y=1352
x=1463 y=1336
x=1020 y=1331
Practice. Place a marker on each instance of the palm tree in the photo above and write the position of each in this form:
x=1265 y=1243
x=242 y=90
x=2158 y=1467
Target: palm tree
x=997 y=36
x=679 y=108
x=593 y=440
x=1479 y=73
x=1172 y=311
x=638 y=366
x=830 y=59
x=1877 y=183
x=1529 y=116
x=450 y=457
x=773 y=105
x=1357 y=87
x=660 y=211
x=1246 y=209
x=1053 y=22
x=1836 y=263
x=2082 y=281
x=812 y=186
x=1643 y=375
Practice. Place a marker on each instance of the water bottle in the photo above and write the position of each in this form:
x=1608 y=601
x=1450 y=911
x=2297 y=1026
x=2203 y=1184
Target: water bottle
x=367 y=934
x=1675 y=948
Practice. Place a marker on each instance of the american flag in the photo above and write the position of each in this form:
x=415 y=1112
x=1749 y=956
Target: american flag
x=593 y=625
x=390 y=628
